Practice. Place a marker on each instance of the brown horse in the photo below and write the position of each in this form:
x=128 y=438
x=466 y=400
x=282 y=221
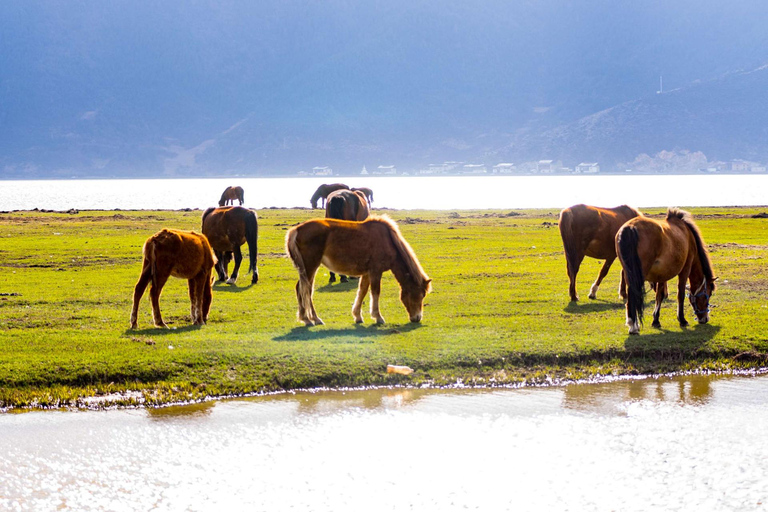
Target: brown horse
x=346 y=205
x=227 y=228
x=656 y=251
x=230 y=194
x=184 y=254
x=322 y=193
x=590 y=231
x=366 y=249
x=365 y=190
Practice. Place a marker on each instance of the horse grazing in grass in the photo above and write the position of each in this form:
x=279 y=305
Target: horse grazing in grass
x=656 y=251
x=346 y=205
x=230 y=194
x=366 y=249
x=365 y=190
x=227 y=228
x=184 y=254
x=322 y=193
x=591 y=231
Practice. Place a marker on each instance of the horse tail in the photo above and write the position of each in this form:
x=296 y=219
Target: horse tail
x=305 y=290
x=150 y=260
x=633 y=272
x=336 y=207
x=252 y=237
x=570 y=243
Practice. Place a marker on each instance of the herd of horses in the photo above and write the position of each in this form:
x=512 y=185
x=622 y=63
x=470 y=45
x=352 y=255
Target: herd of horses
x=352 y=242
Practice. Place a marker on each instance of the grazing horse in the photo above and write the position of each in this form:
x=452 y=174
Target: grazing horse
x=365 y=190
x=227 y=228
x=366 y=249
x=322 y=193
x=184 y=254
x=591 y=231
x=656 y=251
x=346 y=205
x=230 y=194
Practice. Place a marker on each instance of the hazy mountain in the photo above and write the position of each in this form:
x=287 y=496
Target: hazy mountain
x=188 y=88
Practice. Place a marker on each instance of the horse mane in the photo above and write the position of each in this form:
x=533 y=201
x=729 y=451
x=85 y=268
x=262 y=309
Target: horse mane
x=206 y=213
x=405 y=251
x=701 y=249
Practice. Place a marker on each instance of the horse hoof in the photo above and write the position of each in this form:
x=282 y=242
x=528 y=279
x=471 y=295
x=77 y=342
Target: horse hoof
x=656 y=325
x=343 y=279
x=380 y=321
x=358 y=320
x=162 y=325
x=592 y=296
x=319 y=322
x=231 y=280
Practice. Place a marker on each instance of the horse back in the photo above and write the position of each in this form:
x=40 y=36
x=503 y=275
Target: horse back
x=592 y=229
x=180 y=253
x=227 y=226
x=664 y=247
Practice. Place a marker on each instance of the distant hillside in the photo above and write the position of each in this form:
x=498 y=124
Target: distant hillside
x=725 y=118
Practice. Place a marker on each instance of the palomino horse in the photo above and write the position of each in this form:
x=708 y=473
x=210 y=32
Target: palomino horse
x=227 y=228
x=656 y=251
x=230 y=194
x=365 y=190
x=184 y=254
x=322 y=193
x=366 y=249
x=346 y=205
x=591 y=231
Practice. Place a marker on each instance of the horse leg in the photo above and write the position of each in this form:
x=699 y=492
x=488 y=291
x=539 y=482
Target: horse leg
x=332 y=278
x=302 y=313
x=603 y=272
x=661 y=290
x=572 y=272
x=207 y=295
x=238 y=260
x=375 y=292
x=316 y=319
x=343 y=278
x=154 y=295
x=138 y=292
x=220 y=269
x=623 y=286
x=681 y=300
x=195 y=302
x=362 y=290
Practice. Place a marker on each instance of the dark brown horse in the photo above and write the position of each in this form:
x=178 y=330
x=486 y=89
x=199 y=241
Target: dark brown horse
x=591 y=231
x=322 y=193
x=346 y=205
x=365 y=190
x=656 y=251
x=184 y=254
x=366 y=249
x=230 y=194
x=227 y=228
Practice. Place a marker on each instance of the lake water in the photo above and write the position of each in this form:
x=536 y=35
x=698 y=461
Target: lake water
x=689 y=443
x=444 y=193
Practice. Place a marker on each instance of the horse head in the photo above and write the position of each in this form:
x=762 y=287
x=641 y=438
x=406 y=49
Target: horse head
x=700 y=299
x=412 y=297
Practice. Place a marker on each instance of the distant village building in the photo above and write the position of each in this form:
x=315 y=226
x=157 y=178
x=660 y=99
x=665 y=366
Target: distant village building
x=504 y=168
x=740 y=166
x=322 y=171
x=758 y=168
x=587 y=168
x=548 y=166
x=364 y=171
x=387 y=170
x=474 y=169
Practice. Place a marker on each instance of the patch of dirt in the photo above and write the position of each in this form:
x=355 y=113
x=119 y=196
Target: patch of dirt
x=412 y=220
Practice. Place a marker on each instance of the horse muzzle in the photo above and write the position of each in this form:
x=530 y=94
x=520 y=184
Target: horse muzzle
x=416 y=318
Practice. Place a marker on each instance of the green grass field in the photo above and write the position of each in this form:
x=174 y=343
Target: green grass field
x=499 y=311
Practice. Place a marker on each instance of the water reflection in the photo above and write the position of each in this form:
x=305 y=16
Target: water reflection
x=692 y=443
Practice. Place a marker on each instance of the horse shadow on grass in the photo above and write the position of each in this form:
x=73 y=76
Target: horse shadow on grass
x=304 y=333
x=666 y=342
x=221 y=286
x=338 y=287
x=593 y=306
x=160 y=331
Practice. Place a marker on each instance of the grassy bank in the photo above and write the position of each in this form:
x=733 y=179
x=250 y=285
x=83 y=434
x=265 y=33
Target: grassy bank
x=499 y=311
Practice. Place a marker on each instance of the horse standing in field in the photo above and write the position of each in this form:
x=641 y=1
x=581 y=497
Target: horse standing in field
x=590 y=231
x=322 y=193
x=366 y=249
x=346 y=205
x=365 y=190
x=184 y=254
x=656 y=251
x=230 y=194
x=227 y=228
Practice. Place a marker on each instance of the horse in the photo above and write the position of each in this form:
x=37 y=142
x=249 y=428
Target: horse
x=656 y=251
x=365 y=190
x=323 y=191
x=227 y=228
x=366 y=249
x=346 y=205
x=183 y=254
x=590 y=231
x=230 y=194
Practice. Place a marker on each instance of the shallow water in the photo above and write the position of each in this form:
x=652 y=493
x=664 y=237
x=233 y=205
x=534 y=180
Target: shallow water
x=694 y=443
x=443 y=193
